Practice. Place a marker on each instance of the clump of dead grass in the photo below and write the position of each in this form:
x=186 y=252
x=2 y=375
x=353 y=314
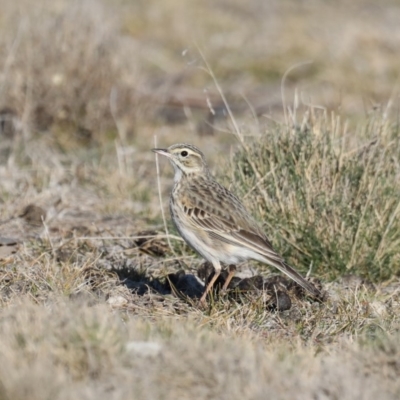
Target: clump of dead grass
x=62 y=61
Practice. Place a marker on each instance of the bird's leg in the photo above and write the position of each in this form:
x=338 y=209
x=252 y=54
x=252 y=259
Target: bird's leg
x=232 y=270
x=217 y=271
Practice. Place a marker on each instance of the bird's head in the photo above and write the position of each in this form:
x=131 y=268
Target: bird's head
x=185 y=158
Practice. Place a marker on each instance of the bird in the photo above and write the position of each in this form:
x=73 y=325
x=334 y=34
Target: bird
x=214 y=222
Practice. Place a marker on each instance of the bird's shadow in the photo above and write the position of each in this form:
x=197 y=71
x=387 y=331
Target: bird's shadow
x=279 y=290
x=179 y=282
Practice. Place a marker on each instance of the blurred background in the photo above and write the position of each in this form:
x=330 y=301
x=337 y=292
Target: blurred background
x=87 y=71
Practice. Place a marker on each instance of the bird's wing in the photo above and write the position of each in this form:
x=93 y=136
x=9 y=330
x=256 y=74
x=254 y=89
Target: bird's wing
x=217 y=211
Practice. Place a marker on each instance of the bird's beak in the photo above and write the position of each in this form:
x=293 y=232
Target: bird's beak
x=162 y=152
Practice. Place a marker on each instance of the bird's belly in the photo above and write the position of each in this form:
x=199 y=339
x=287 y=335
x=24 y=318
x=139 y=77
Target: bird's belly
x=197 y=242
x=236 y=255
x=214 y=249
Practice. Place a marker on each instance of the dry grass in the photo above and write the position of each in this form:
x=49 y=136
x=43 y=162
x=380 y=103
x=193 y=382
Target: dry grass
x=91 y=301
x=86 y=351
x=329 y=200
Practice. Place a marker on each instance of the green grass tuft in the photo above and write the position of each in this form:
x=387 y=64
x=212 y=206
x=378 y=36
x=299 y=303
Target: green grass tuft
x=325 y=203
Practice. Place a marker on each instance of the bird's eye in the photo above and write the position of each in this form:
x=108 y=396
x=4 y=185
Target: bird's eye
x=184 y=153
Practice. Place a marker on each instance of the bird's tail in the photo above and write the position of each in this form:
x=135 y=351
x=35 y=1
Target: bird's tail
x=293 y=274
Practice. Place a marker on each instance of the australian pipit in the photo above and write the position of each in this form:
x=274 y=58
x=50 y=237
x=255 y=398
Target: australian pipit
x=214 y=222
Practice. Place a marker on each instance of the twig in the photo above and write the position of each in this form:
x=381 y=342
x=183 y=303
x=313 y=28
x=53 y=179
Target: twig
x=285 y=75
x=221 y=93
x=114 y=114
x=237 y=132
x=128 y=237
x=160 y=197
